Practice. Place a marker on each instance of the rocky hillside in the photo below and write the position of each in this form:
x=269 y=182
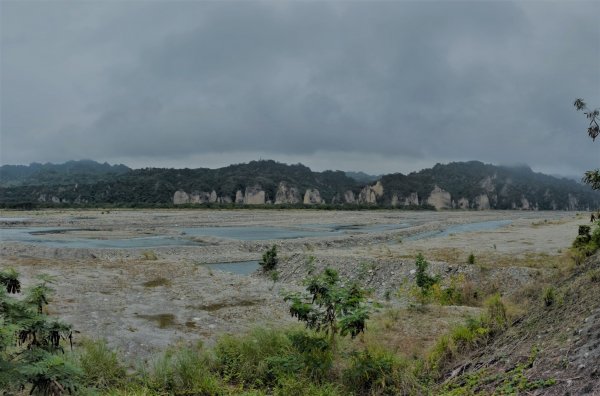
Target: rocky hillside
x=465 y=185
x=555 y=347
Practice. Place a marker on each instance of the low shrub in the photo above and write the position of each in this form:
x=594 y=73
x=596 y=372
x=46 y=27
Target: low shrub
x=549 y=296
x=269 y=259
x=471 y=259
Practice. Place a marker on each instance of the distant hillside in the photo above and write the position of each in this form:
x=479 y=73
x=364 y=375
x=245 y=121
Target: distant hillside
x=483 y=186
x=82 y=172
x=258 y=182
x=460 y=185
x=362 y=177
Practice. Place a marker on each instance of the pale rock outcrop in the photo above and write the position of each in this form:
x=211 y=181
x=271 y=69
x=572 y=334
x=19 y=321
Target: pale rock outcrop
x=440 y=198
x=55 y=199
x=195 y=197
x=463 y=203
x=180 y=197
x=312 y=196
x=239 y=197
x=254 y=196
x=525 y=204
x=199 y=197
x=378 y=189
x=399 y=200
x=286 y=194
x=412 y=199
x=349 y=197
x=224 y=200
x=573 y=203
x=369 y=194
x=482 y=202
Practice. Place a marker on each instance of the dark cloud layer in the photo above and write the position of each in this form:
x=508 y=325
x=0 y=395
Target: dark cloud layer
x=378 y=86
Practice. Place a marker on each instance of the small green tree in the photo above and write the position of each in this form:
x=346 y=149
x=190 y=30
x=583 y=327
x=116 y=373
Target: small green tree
x=424 y=281
x=269 y=259
x=330 y=307
x=471 y=259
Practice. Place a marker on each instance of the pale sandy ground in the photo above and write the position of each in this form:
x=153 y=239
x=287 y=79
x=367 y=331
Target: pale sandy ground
x=102 y=292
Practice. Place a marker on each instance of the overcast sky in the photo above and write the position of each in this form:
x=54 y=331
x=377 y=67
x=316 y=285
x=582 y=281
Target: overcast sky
x=373 y=86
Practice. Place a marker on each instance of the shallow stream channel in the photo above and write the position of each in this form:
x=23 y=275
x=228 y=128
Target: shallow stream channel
x=93 y=238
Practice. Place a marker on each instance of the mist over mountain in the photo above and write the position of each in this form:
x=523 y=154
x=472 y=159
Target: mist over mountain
x=457 y=185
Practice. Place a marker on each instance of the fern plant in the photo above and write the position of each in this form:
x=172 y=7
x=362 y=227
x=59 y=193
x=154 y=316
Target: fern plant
x=31 y=355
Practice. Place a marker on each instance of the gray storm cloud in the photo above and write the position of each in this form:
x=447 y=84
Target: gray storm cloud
x=379 y=86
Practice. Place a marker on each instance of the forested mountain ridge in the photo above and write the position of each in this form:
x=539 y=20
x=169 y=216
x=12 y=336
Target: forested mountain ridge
x=461 y=185
x=477 y=185
x=83 y=172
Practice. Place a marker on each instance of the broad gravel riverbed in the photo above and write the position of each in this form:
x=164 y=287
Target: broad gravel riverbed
x=146 y=279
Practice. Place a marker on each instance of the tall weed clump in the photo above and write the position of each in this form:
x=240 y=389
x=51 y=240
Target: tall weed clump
x=101 y=366
x=269 y=358
x=379 y=372
x=247 y=360
x=184 y=371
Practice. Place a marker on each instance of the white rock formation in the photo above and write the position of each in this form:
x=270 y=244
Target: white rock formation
x=349 y=197
x=286 y=194
x=239 y=197
x=440 y=198
x=312 y=196
x=573 y=203
x=482 y=202
x=369 y=194
x=180 y=197
x=463 y=203
x=412 y=199
x=254 y=196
